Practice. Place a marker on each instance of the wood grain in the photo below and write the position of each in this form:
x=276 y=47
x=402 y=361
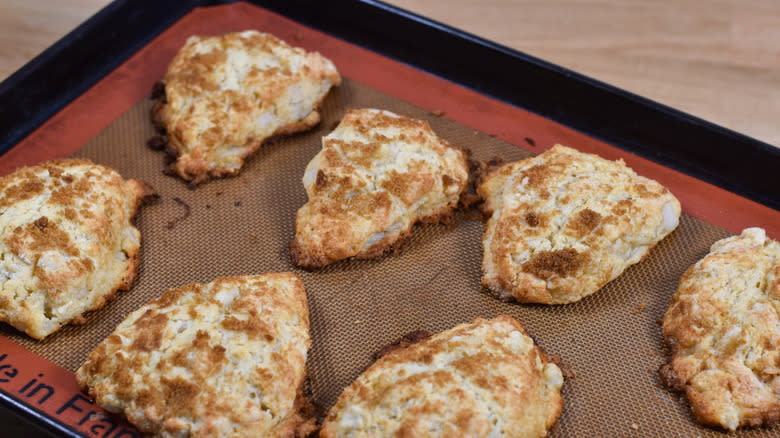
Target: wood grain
x=27 y=27
x=715 y=59
x=718 y=60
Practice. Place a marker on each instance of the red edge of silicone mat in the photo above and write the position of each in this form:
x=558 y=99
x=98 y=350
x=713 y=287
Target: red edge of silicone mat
x=87 y=115
x=51 y=389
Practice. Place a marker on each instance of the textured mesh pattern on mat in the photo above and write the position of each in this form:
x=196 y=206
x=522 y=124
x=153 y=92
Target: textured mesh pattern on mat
x=242 y=225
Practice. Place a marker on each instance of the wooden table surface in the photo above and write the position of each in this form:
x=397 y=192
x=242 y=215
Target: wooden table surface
x=716 y=59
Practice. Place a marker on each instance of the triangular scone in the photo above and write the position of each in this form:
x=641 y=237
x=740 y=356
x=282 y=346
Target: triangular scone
x=565 y=223
x=485 y=379
x=377 y=175
x=225 y=95
x=220 y=359
x=67 y=242
x=723 y=327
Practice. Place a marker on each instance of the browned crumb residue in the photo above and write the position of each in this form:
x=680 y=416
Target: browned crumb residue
x=158 y=91
x=536 y=175
x=322 y=179
x=179 y=395
x=566 y=369
x=467 y=202
x=405 y=341
x=254 y=328
x=622 y=207
x=532 y=219
x=670 y=378
x=39 y=236
x=588 y=219
x=482 y=169
x=585 y=222
x=562 y=262
x=21 y=191
x=157 y=143
x=151 y=328
x=185 y=215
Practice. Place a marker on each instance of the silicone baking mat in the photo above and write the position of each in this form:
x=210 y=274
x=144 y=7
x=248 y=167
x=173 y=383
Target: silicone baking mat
x=242 y=225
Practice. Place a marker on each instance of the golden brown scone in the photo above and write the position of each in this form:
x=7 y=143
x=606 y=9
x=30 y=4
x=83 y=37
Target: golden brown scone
x=220 y=359
x=565 y=223
x=485 y=379
x=225 y=95
x=68 y=243
x=377 y=175
x=724 y=332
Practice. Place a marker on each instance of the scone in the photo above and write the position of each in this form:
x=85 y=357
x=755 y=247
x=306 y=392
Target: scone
x=377 y=175
x=67 y=244
x=724 y=331
x=220 y=359
x=225 y=95
x=564 y=223
x=485 y=379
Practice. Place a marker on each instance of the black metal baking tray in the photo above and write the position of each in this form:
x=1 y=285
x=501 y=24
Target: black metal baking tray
x=725 y=158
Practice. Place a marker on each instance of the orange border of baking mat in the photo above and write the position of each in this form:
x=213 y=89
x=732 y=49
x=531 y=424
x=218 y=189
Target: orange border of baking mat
x=51 y=389
x=87 y=115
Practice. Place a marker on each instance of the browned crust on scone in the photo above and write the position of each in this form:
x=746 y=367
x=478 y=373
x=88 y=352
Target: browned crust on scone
x=483 y=169
x=67 y=194
x=720 y=328
x=146 y=194
x=304 y=125
x=429 y=390
x=404 y=341
x=478 y=171
x=304 y=423
x=670 y=378
x=443 y=216
x=357 y=211
x=417 y=336
x=309 y=260
x=564 y=223
x=205 y=141
x=162 y=141
x=136 y=370
x=700 y=406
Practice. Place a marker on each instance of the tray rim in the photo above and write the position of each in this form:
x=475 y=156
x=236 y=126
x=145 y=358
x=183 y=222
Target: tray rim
x=42 y=420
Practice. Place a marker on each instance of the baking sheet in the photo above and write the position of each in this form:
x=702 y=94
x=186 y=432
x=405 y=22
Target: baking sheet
x=242 y=225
